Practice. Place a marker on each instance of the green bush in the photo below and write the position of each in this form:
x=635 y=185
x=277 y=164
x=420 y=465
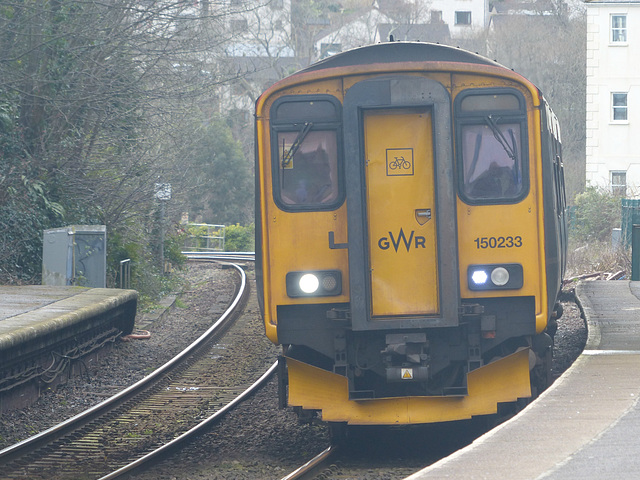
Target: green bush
x=596 y=213
x=203 y=237
x=173 y=243
x=146 y=275
x=239 y=239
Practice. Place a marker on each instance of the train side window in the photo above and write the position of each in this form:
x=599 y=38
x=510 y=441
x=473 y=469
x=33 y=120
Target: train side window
x=491 y=145
x=305 y=153
x=559 y=186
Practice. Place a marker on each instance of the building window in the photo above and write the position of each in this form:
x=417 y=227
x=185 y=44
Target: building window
x=463 y=18
x=618 y=29
x=436 y=16
x=619 y=107
x=239 y=25
x=619 y=183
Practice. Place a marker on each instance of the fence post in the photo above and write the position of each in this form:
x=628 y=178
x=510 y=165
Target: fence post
x=125 y=273
x=635 y=253
x=630 y=217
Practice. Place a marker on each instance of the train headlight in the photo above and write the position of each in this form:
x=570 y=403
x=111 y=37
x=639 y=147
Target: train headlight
x=479 y=277
x=508 y=276
x=500 y=276
x=309 y=283
x=317 y=283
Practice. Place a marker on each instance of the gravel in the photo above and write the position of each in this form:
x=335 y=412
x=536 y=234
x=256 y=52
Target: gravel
x=205 y=297
x=254 y=441
x=571 y=336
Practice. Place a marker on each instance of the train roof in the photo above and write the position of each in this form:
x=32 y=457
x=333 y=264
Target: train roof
x=394 y=52
x=397 y=55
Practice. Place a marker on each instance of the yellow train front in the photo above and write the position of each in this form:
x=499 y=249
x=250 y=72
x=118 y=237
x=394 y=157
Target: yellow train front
x=410 y=234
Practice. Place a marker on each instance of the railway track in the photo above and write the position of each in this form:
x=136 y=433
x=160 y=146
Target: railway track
x=320 y=464
x=122 y=433
x=380 y=452
x=271 y=444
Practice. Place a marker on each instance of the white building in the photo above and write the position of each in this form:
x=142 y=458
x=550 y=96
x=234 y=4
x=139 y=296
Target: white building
x=354 y=32
x=423 y=20
x=613 y=95
x=464 y=17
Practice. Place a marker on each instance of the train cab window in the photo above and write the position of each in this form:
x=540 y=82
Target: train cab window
x=491 y=139
x=305 y=152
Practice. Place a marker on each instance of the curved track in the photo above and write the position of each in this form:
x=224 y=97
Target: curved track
x=166 y=408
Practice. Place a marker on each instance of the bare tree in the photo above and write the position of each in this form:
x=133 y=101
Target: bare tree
x=102 y=96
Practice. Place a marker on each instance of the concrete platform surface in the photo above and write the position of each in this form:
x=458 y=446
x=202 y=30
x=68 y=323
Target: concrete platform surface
x=27 y=306
x=44 y=329
x=28 y=312
x=16 y=300
x=587 y=424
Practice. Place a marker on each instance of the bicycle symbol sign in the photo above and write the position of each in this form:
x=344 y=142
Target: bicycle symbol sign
x=399 y=161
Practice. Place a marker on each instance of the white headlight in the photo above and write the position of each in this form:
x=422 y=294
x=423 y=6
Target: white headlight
x=479 y=277
x=309 y=283
x=500 y=276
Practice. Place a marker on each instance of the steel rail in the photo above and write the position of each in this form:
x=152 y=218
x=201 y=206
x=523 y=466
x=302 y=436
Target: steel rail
x=193 y=431
x=312 y=464
x=46 y=436
x=224 y=256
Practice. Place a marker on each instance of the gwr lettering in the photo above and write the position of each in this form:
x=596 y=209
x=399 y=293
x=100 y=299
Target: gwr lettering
x=417 y=241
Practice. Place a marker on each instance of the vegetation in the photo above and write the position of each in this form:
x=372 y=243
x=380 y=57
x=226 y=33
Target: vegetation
x=597 y=258
x=239 y=238
x=595 y=214
x=99 y=102
x=220 y=180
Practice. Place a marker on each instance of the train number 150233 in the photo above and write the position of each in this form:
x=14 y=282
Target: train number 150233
x=498 y=242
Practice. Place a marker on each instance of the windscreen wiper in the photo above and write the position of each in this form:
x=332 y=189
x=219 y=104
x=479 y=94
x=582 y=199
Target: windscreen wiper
x=497 y=133
x=287 y=155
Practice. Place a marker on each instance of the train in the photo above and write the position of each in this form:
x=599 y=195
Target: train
x=410 y=235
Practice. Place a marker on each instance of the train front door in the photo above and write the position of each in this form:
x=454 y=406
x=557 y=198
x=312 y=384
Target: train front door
x=400 y=205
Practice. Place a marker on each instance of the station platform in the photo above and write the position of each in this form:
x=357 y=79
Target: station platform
x=42 y=328
x=587 y=424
